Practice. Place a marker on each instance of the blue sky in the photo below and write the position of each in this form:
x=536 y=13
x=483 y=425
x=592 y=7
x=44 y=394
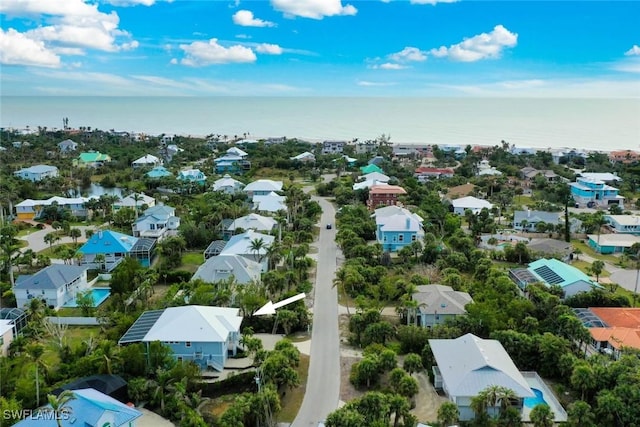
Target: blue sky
x=320 y=48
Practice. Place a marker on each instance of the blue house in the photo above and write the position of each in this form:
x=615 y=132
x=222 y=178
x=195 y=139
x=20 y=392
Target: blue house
x=37 y=173
x=192 y=175
x=201 y=334
x=626 y=224
x=397 y=227
x=552 y=272
x=115 y=247
x=593 y=192
x=89 y=408
x=612 y=243
x=231 y=163
x=159 y=172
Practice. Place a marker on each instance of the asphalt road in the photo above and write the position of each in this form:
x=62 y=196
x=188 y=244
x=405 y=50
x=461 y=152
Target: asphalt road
x=323 y=384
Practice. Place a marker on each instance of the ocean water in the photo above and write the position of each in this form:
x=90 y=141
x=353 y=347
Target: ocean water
x=592 y=124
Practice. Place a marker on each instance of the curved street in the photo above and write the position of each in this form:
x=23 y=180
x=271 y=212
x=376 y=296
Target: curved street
x=323 y=384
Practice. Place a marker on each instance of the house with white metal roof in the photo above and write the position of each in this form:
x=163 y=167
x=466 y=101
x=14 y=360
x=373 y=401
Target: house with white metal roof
x=375 y=176
x=67 y=146
x=228 y=185
x=304 y=157
x=202 y=334
x=226 y=266
x=272 y=202
x=37 y=173
x=235 y=151
x=612 y=243
x=263 y=187
x=474 y=204
x=32 y=209
x=625 y=224
x=394 y=232
x=135 y=201
x=253 y=221
x=467 y=365
x=56 y=285
x=241 y=244
x=146 y=160
x=439 y=303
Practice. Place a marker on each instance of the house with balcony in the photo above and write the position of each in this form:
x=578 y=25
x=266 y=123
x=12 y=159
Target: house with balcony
x=192 y=175
x=384 y=195
x=439 y=303
x=624 y=156
x=88 y=407
x=32 y=209
x=485 y=169
x=418 y=150
x=205 y=335
x=397 y=227
x=232 y=163
x=624 y=224
x=56 y=285
x=467 y=365
x=156 y=222
x=333 y=147
x=592 y=192
x=112 y=246
x=225 y=267
x=228 y=185
x=37 y=173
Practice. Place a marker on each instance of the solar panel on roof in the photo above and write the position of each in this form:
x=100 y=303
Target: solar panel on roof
x=140 y=327
x=548 y=275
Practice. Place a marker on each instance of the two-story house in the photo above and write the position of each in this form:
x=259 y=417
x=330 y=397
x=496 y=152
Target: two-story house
x=156 y=222
x=439 y=303
x=67 y=146
x=225 y=267
x=208 y=336
x=32 y=209
x=384 y=195
x=397 y=227
x=159 y=172
x=135 y=201
x=263 y=187
x=92 y=159
x=112 y=247
x=592 y=192
x=37 y=173
x=148 y=160
x=251 y=245
x=228 y=185
x=333 y=147
x=56 y=285
x=424 y=173
x=192 y=175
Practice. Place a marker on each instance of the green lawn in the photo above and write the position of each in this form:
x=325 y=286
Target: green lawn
x=191 y=261
x=585 y=267
x=73 y=337
x=292 y=401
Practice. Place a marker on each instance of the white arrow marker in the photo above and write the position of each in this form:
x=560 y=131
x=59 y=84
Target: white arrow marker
x=270 y=307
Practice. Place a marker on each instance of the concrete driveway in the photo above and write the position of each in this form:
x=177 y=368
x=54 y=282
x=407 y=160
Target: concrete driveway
x=35 y=240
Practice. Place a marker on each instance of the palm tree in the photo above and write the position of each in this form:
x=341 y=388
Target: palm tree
x=257 y=245
x=60 y=405
x=51 y=238
x=75 y=233
x=597 y=267
x=448 y=414
x=100 y=260
x=35 y=352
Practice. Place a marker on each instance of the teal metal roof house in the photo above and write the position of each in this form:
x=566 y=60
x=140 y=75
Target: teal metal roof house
x=552 y=272
x=370 y=168
x=113 y=245
x=158 y=172
x=89 y=408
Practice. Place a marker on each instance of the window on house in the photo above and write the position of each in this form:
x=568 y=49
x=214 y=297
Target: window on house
x=187 y=344
x=385 y=238
x=413 y=237
x=401 y=238
x=394 y=238
x=179 y=358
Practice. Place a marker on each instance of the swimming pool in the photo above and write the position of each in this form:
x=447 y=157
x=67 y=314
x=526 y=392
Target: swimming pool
x=531 y=402
x=98 y=294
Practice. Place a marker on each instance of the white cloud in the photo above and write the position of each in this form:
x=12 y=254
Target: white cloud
x=71 y=25
x=628 y=66
x=483 y=46
x=409 y=54
x=18 y=49
x=432 y=2
x=211 y=52
x=245 y=18
x=314 y=9
x=390 y=66
x=635 y=50
x=173 y=61
x=131 y=2
x=367 y=83
x=268 y=48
